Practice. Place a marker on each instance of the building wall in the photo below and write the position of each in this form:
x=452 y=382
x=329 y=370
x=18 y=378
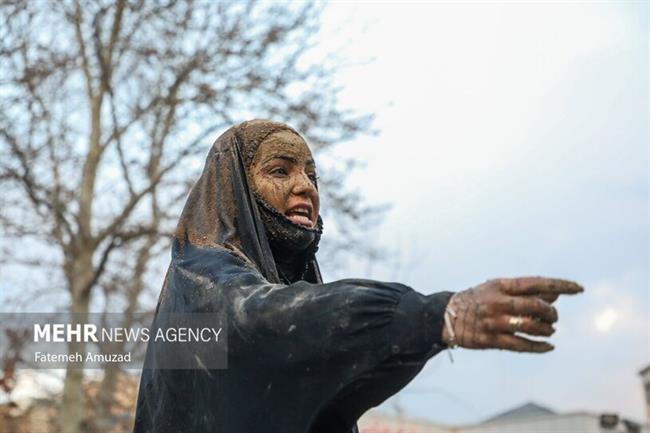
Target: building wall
x=645 y=377
x=569 y=423
x=554 y=423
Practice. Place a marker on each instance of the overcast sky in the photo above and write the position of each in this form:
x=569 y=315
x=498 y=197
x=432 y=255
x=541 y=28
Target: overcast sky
x=513 y=141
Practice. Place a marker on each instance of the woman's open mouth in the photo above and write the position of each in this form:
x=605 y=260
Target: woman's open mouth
x=301 y=215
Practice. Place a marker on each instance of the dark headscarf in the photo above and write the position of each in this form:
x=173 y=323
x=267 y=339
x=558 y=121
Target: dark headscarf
x=223 y=211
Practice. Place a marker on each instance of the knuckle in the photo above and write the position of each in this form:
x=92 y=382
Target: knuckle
x=528 y=326
x=484 y=310
x=498 y=302
x=537 y=329
x=544 y=330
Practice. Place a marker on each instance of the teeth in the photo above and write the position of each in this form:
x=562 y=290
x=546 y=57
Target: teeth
x=299 y=211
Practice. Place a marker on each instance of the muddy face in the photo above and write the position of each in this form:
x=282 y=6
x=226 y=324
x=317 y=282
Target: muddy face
x=284 y=174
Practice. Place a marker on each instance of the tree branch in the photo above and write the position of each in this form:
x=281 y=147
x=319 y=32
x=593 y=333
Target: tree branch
x=77 y=19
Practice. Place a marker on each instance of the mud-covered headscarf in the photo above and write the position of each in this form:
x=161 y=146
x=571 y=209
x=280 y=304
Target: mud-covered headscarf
x=223 y=211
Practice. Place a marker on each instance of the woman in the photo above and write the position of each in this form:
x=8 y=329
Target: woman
x=304 y=356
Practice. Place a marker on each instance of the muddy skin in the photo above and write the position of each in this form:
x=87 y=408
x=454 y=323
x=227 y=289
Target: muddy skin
x=282 y=174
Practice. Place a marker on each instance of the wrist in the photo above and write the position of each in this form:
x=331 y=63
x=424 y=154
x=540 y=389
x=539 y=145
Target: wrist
x=445 y=336
x=448 y=331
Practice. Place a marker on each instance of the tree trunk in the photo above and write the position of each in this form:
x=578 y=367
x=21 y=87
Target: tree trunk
x=72 y=403
x=106 y=398
x=72 y=411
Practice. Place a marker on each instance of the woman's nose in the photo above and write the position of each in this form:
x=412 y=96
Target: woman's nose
x=303 y=185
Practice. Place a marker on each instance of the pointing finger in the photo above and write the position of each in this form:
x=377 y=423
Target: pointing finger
x=539 y=285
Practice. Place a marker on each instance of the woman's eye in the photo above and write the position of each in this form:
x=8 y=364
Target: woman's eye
x=279 y=171
x=313 y=177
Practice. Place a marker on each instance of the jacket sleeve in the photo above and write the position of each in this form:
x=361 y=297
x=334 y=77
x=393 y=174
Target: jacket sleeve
x=340 y=319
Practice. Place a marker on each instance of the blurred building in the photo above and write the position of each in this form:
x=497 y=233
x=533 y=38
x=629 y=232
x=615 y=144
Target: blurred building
x=645 y=377
x=36 y=415
x=39 y=415
x=533 y=418
x=528 y=418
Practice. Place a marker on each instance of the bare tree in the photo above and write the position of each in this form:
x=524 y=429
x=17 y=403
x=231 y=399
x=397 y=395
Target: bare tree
x=105 y=109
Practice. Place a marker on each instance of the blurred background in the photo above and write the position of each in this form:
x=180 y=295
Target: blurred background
x=455 y=142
